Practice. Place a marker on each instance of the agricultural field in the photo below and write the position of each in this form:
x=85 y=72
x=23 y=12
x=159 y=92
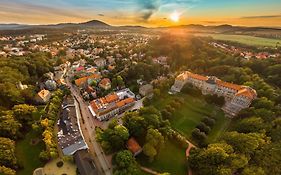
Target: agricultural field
x=244 y=39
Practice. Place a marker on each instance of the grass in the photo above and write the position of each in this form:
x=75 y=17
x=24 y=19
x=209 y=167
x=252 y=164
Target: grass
x=170 y=159
x=190 y=114
x=28 y=154
x=68 y=167
x=245 y=39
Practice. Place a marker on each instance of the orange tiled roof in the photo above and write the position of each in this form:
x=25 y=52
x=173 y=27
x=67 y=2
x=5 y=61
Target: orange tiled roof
x=247 y=93
x=229 y=85
x=81 y=81
x=95 y=76
x=43 y=93
x=105 y=81
x=133 y=145
x=124 y=102
x=111 y=98
x=198 y=77
x=110 y=67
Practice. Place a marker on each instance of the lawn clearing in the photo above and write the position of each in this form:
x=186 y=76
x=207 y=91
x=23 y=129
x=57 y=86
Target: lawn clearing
x=28 y=154
x=170 y=159
x=244 y=39
x=190 y=114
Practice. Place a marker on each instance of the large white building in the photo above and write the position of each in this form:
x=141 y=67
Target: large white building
x=237 y=97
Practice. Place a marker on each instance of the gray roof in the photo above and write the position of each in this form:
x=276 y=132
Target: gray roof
x=69 y=136
x=85 y=163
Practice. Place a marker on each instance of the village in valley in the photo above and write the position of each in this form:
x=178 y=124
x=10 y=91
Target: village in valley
x=135 y=102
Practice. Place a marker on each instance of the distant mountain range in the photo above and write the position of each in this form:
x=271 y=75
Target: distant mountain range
x=227 y=29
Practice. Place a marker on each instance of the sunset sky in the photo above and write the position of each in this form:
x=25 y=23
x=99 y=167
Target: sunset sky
x=151 y=13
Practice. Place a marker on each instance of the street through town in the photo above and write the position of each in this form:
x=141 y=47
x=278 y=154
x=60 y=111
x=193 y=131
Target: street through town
x=88 y=124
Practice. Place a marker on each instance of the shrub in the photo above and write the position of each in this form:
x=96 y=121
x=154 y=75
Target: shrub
x=203 y=128
x=209 y=121
x=175 y=104
x=170 y=109
x=199 y=137
x=166 y=114
x=60 y=164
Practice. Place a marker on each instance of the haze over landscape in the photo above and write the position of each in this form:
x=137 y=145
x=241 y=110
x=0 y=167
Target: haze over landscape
x=153 y=13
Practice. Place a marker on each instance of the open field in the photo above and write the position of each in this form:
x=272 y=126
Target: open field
x=170 y=159
x=28 y=154
x=244 y=39
x=190 y=114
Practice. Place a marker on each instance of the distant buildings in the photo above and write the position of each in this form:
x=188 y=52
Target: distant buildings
x=43 y=96
x=100 y=62
x=237 y=97
x=112 y=104
x=70 y=138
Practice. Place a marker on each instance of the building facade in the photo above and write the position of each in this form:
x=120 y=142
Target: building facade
x=237 y=97
x=112 y=104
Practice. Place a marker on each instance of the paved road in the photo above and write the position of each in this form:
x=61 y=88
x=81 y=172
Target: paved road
x=88 y=125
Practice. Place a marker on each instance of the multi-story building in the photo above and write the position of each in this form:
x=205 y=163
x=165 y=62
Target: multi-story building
x=70 y=138
x=237 y=97
x=112 y=104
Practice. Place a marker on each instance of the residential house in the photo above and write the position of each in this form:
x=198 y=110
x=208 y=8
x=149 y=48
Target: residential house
x=134 y=146
x=43 y=96
x=51 y=85
x=105 y=84
x=146 y=90
x=100 y=62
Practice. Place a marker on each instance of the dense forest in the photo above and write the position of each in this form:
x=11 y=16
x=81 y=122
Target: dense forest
x=17 y=112
x=252 y=143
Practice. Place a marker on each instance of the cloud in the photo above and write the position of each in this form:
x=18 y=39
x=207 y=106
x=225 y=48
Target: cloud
x=100 y=14
x=36 y=9
x=148 y=8
x=261 y=17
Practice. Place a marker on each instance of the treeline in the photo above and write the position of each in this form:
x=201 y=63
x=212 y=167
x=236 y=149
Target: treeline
x=252 y=144
x=28 y=70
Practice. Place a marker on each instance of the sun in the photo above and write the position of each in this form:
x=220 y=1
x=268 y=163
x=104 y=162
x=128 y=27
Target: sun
x=175 y=17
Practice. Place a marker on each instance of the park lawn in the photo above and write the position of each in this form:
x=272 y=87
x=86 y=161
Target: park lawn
x=190 y=114
x=222 y=124
x=171 y=158
x=245 y=39
x=186 y=117
x=28 y=154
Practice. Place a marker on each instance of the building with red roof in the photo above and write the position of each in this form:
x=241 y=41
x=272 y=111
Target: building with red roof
x=112 y=104
x=134 y=146
x=237 y=97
